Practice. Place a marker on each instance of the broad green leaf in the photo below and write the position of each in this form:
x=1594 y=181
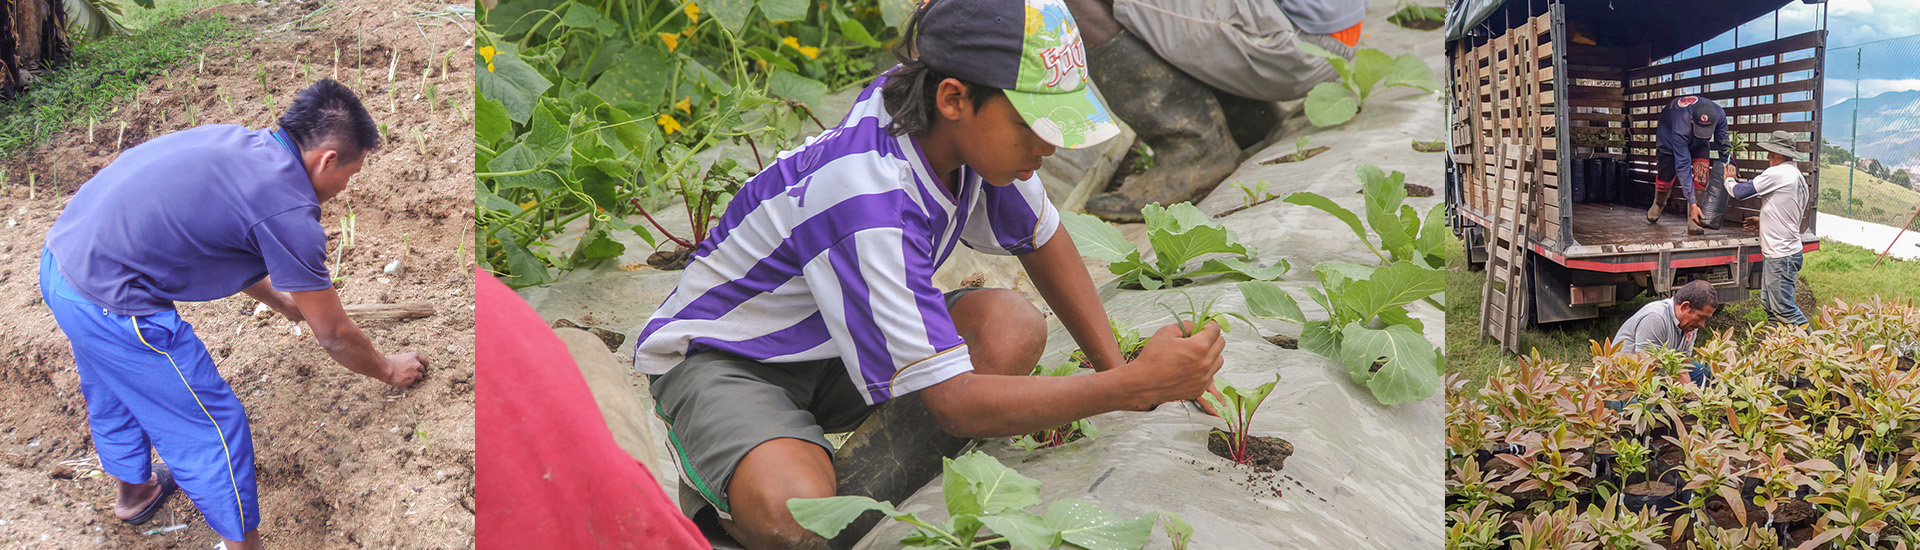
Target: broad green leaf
x=517 y=159
x=1408 y=373
x=547 y=137
x=595 y=245
x=1433 y=240
x=638 y=76
x=1369 y=66
x=783 y=10
x=856 y=32
x=1335 y=276
x=1410 y=71
x=1327 y=205
x=638 y=229
x=1384 y=195
x=1394 y=285
x=896 y=12
x=1098 y=239
x=1023 y=530
x=731 y=14
x=978 y=484
x=1330 y=104
x=1237 y=269
x=490 y=122
x=512 y=82
x=771 y=58
x=602 y=57
x=1339 y=63
x=1173 y=250
x=1269 y=301
x=1089 y=526
x=1319 y=337
x=516 y=17
x=527 y=269
x=787 y=85
x=580 y=16
x=486 y=200
x=598 y=185
x=828 y=516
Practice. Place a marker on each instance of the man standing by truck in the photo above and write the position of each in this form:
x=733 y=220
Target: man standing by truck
x=1690 y=128
x=200 y=215
x=1781 y=217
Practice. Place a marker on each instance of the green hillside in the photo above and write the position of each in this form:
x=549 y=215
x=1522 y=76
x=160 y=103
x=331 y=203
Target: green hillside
x=1881 y=201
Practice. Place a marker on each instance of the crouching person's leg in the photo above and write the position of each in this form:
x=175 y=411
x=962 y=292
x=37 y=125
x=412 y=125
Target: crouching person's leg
x=898 y=448
x=743 y=437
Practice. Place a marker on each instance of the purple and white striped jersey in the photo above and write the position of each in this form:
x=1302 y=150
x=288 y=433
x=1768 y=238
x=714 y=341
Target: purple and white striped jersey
x=830 y=252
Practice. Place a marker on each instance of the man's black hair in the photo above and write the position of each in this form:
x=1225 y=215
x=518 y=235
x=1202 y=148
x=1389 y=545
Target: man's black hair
x=329 y=113
x=911 y=88
x=1698 y=294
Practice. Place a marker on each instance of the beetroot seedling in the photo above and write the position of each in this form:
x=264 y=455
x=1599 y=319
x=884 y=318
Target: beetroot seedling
x=1062 y=434
x=1236 y=406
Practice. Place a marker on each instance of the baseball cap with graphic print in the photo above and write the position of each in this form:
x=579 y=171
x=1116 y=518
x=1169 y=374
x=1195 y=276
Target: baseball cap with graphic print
x=1029 y=48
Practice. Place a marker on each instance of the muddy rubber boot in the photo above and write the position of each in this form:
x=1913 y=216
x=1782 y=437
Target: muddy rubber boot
x=1174 y=114
x=1659 y=203
x=1251 y=121
x=895 y=452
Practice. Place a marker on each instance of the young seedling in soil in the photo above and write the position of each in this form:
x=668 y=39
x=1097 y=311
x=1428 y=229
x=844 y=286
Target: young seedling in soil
x=1300 y=152
x=121 y=139
x=1418 y=17
x=1236 y=406
x=987 y=504
x=1178 y=235
x=1434 y=146
x=1254 y=195
x=1200 y=315
x=1129 y=341
x=1335 y=103
x=1058 y=435
x=340 y=249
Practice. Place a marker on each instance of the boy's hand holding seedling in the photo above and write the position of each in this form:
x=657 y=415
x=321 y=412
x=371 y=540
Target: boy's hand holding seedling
x=1175 y=366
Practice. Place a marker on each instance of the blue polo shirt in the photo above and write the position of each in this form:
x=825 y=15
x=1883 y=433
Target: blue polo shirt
x=194 y=215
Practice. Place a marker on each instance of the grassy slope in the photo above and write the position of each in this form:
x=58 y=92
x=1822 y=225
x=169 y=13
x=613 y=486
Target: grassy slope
x=84 y=89
x=1882 y=201
x=1836 y=272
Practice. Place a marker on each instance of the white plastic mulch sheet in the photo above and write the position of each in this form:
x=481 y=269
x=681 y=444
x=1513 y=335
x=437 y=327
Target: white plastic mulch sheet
x=1871 y=236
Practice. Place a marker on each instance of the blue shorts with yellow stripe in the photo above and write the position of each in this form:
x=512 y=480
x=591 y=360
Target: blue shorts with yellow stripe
x=149 y=383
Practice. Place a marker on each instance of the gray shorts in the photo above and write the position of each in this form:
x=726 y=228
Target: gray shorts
x=718 y=406
x=1243 y=47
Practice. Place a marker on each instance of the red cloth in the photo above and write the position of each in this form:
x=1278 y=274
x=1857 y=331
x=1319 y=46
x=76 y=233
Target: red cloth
x=1699 y=167
x=548 y=474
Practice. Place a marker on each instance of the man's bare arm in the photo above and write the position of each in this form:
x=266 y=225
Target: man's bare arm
x=280 y=302
x=1170 y=368
x=350 y=347
x=1063 y=282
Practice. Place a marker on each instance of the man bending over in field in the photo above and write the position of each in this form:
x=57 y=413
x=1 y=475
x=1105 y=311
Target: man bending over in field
x=810 y=308
x=199 y=215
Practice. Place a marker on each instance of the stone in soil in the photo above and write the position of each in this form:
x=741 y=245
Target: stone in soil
x=1264 y=454
x=670 y=260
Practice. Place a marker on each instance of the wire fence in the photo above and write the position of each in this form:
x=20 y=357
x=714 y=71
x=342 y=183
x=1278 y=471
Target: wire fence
x=1871 y=126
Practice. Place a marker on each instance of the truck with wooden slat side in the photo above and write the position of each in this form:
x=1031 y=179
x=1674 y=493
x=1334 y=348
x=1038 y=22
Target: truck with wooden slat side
x=1553 y=107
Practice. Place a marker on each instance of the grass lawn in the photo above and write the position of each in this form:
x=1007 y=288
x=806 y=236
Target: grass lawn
x=1835 y=272
x=1881 y=201
x=104 y=74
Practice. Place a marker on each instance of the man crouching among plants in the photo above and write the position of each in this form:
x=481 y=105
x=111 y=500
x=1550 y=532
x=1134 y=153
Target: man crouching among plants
x=200 y=215
x=811 y=309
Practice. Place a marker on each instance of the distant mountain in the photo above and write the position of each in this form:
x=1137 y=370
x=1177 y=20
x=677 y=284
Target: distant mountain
x=1889 y=127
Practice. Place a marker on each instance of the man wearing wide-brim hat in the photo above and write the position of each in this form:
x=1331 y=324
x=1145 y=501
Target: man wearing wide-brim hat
x=1781 y=216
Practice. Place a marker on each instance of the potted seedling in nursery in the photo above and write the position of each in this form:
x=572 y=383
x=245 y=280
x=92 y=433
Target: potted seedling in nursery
x=1779 y=478
x=1237 y=443
x=1639 y=487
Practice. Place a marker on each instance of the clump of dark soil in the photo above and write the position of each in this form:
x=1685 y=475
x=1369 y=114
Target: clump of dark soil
x=1296 y=156
x=1413 y=190
x=1264 y=454
x=1284 y=341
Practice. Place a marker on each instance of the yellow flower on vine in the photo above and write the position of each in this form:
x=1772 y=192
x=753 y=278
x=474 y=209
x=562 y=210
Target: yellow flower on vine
x=672 y=40
x=668 y=124
x=488 y=52
x=809 y=51
x=528 y=204
x=693 y=12
x=685 y=105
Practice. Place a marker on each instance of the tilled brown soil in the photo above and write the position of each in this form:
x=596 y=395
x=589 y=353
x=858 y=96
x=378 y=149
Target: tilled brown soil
x=343 y=460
